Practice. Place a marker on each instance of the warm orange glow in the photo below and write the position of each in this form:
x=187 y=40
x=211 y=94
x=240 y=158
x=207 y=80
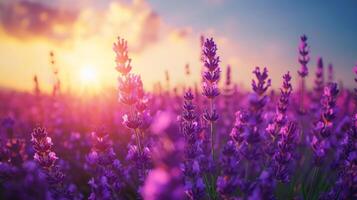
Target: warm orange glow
x=84 y=56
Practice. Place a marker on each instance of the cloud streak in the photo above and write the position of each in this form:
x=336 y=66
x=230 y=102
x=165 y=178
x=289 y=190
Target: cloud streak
x=134 y=20
x=27 y=19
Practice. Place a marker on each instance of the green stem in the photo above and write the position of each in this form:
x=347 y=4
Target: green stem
x=302 y=94
x=212 y=132
x=137 y=136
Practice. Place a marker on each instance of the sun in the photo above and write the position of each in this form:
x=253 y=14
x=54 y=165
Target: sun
x=88 y=75
x=89 y=79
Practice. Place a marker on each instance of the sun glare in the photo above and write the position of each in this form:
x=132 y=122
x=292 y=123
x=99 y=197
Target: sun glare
x=88 y=75
x=89 y=79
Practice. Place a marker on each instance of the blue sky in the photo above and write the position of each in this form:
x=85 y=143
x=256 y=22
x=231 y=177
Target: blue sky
x=330 y=25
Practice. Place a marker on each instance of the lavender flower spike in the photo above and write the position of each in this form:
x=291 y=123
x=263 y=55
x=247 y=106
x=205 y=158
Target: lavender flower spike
x=330 y=73
x=46 y=158
x=355 y=89
x=283 y=157
x=324 y=127
x=210 y=87
x=42 y=146
x=191 y=169
x=345 y=186
x=263 y=83
x=280 y=115
x=304 y=56
x=259 y=86
x=228 y=76
x=137 y=117
x=229 y=181
x=303 y=72
x=122 y=60
x=319 y=79
x=107 y=170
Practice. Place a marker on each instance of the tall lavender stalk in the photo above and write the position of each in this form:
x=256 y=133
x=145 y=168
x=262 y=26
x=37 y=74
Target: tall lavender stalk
x=37 y=90
x=280 y=117
x=46 y=158
x=246 y=132
x=229 y=180
x=303 y=72
x=190 y=128
x=259 y=86
x=282 y=159
x=325 y=126
x=331 y=74
x=355 y=89
x=319 y=80
x=56 y=90
x=345 y=186
x=137 y=119
x=228 y=76
x=210 y=87
x=128 y=87
x=107 y=170
x=187 y=70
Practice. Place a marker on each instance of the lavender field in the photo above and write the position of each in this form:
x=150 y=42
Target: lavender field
x=211 y=139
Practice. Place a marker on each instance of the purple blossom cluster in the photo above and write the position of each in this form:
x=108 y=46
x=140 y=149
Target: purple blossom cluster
x=187 y=141
x=137 y=118
x=324 y=127
x=193 y=149
x=107 y=169
x=46 y=159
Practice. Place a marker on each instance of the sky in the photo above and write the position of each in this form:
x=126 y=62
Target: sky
x=164 y=35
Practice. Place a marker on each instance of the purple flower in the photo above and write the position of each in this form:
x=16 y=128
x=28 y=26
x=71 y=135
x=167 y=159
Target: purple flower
x=212 y=73
x=211 y=60
x=282 y=159
x=211 y=116
x=319 y=80
x=137 y=118
x=282 y=106
x=330 y=73
x=264 y=187
x=263 y=83
x=163 y=184
x=191 y=167
x=258 y=99
x=14 y=151
x=210 y=87
x=324 y=127
x=345 y=186
x=23 y=182
x=239 y=131
x=355 y=89
x=108 y=175
x=303 y=56
x=210 y=91
x=228 y=76
x=228 y=182
x=329 y=102
x=42 y=146
x=140 y=162
x=303 y=72
x=129 y=88
x=122 y=59
x=46 y=158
